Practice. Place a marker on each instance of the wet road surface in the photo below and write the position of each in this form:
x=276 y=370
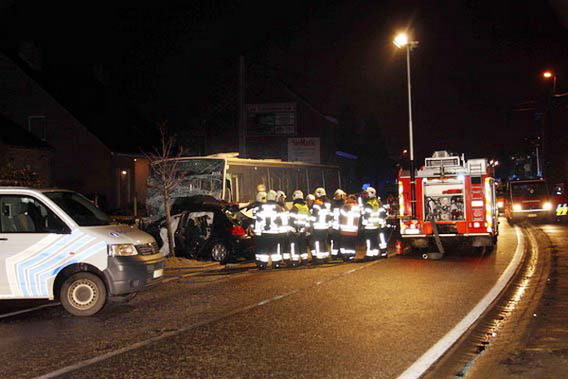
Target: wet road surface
x=535 y=343
x=369 y=319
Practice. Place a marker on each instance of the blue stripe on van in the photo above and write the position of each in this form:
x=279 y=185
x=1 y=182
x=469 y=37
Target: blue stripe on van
x=46 y=276
x=21 y=267
x=39 y=269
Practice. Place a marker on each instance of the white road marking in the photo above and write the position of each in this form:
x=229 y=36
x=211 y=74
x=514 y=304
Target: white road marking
x=28 y=310
x=140 y=344
x=418 y=368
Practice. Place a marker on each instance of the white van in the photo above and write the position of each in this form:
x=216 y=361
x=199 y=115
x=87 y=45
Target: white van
x=56 y=244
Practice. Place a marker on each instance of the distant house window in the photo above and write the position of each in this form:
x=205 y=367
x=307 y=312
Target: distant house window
x=36 y=126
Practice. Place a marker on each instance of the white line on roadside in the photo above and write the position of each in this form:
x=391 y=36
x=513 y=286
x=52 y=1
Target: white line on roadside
x=137 y=345
x=28 y=310
x=433 y=354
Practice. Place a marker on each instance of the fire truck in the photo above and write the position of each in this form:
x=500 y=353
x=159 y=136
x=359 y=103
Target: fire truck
x=528 y=199
x=455 y=202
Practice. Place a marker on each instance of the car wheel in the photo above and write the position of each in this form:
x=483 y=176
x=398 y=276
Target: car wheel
x=219 y=252
x=83 y=294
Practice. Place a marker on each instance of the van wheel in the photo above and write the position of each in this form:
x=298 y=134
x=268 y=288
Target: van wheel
x=83 y=294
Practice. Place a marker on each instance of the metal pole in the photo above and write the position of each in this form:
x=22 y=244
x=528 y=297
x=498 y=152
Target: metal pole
x=538 y=169
x=242 y=111
x=412 y=174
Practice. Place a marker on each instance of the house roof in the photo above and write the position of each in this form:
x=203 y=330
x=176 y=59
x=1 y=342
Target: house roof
x=115 y=122
x=13 y=134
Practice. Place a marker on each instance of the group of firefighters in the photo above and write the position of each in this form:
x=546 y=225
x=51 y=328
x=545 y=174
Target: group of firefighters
x=316 y=229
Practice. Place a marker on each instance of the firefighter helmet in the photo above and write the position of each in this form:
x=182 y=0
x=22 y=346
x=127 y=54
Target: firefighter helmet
x=280 y=195
x=261 y=197
x=310 y=197
x=271 y=195
x=297 y=195
x=371 y=192
x=261 y=188
x=319 y=192
x=339 y=193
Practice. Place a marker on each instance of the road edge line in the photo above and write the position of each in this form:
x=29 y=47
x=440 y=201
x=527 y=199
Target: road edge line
x=432 y=355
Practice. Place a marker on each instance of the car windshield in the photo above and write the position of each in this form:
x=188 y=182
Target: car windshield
x=79 y=208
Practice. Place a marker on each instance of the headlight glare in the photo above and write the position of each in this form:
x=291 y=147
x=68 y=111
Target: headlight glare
x=517 y=207
x=122 y=250
x=547 y=206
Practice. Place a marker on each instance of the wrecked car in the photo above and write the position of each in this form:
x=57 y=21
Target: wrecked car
x=206 y=229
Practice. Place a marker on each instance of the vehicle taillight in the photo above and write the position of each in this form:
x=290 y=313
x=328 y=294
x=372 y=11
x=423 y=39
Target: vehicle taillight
x=238 y=231
x=488 y=205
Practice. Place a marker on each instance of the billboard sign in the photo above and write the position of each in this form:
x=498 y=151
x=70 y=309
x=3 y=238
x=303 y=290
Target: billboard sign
x=276 y=119
x=304 y=150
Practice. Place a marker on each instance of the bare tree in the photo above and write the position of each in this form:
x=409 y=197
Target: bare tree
x=164 y=170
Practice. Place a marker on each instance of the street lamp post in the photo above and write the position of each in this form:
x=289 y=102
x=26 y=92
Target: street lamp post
x=546 y=123
x=402 y=41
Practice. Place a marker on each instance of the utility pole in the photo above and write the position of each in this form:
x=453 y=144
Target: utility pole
x=242 y=110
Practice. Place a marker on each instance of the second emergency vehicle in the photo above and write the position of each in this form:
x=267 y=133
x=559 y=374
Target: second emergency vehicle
x=455 y=200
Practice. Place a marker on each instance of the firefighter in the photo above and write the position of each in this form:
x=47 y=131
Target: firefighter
x=310 y=200
x=300 y=221
x=281 y=198
x=285 y=228
x=334 y=236
x=373 y=221
x=349 y=216
x=267 y=229
x=260 y=188
x=321 y=196
x=320 y=217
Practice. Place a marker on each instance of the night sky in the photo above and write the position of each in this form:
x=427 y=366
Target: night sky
x=477 y=66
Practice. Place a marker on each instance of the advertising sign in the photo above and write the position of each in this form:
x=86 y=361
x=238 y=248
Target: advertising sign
x=276 y=119
x=304 y=150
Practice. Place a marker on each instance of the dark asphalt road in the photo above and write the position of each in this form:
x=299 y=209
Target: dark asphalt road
x=328 y=321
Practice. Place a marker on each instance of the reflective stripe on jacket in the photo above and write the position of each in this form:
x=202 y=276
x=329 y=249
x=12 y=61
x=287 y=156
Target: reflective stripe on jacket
x=349 y=220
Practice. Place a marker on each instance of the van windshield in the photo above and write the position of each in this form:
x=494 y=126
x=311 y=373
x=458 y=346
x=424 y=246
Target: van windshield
x=79 y=208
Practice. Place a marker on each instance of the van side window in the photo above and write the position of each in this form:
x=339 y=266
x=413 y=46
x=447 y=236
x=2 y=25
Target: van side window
x=24 y=214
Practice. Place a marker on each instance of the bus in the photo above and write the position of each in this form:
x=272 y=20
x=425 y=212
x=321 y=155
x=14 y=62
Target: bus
x=232 y=179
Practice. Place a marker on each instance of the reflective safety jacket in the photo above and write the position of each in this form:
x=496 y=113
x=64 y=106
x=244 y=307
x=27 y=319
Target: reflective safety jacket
x=300 y=216
x=268 y=219
x=349 y=220
x=335 y=211
x=373 y=215
x=286 y=224
x=321 y=216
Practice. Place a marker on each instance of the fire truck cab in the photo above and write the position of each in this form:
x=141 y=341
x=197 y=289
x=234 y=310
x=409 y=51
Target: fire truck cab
x=455 y=200
x=528 y=200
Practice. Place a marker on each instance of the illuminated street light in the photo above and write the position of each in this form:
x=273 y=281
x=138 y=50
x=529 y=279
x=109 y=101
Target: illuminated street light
x=550 y=74
x=402 y=41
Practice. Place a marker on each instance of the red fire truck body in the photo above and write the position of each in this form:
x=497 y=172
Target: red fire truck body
x=456 y=195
